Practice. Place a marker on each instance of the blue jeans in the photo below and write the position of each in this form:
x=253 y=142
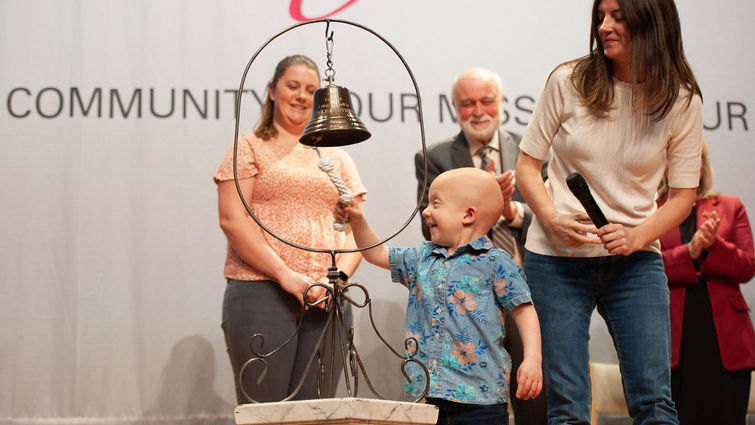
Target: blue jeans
x=631 y=294
x=452 y=413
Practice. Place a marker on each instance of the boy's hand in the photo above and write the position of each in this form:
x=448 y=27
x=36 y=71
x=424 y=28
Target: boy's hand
x=363 y=233
x=529 y=379
x=355 y=211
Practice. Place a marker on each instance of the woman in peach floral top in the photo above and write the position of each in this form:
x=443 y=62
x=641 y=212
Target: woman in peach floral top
x=291 y=196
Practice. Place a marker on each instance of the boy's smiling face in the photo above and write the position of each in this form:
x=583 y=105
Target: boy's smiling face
x=463 y=204
x=444 y=214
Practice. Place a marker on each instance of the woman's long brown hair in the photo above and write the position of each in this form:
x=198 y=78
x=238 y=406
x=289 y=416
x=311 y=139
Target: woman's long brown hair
x=657 y=60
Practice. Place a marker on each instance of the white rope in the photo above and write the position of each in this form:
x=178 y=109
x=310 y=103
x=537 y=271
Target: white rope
x=345 y=196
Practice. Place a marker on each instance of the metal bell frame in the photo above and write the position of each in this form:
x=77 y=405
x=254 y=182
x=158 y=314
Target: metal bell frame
x=336 y=291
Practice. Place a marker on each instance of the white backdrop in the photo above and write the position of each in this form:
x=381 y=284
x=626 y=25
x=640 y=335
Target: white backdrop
x=115 y=115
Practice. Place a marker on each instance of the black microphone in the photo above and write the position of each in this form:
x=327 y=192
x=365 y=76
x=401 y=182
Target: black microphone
x=579 y=188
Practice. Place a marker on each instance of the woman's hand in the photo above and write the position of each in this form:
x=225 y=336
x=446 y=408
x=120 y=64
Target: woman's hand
x=618 y=240
x=295 y=283
x=572 y=230
x=317 y=293
x=705 y=236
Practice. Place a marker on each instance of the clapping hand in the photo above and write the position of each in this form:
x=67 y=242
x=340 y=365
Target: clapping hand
x=705 y=236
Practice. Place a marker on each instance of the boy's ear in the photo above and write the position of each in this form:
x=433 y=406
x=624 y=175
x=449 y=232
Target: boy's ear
x=470 y=216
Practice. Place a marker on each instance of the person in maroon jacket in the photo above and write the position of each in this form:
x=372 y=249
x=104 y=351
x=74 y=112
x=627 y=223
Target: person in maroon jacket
x=706 y=259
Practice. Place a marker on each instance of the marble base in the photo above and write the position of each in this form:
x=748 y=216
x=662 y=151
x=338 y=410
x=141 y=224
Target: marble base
x=341 y=411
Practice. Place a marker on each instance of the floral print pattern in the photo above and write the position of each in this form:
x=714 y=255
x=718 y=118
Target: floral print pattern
x=293 y=198
x=455 y=314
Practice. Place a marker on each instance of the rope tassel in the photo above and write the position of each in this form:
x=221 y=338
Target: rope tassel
x=345 y=196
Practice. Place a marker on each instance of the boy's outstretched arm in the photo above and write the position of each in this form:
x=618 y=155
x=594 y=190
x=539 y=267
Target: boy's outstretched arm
x=530 y=374
x=363 y=233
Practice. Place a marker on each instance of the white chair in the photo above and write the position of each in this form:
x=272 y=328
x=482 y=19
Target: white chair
x=607 y=391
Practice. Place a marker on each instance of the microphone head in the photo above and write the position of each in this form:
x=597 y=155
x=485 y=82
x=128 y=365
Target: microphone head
x=577 y=183
x=581 y=191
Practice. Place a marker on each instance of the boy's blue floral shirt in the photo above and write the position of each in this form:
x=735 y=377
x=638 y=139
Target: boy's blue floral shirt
x=455 y=315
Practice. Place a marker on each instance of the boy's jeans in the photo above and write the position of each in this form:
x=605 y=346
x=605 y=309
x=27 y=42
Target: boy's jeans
x=452 y=413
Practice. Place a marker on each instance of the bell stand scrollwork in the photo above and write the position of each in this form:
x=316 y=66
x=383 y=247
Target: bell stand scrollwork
x=341 y=339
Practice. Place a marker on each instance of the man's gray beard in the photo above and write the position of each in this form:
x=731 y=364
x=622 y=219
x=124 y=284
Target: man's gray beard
x=480 y=136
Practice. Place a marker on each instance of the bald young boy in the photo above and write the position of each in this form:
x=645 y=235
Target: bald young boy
x=457 y=285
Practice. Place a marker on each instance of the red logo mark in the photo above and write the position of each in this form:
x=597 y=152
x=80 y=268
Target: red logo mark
x=294 y=9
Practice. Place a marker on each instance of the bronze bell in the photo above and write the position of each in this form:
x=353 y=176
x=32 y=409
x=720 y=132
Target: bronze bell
x=333 y=121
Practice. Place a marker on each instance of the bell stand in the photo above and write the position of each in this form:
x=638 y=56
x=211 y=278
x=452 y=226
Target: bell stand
x=336 y=297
